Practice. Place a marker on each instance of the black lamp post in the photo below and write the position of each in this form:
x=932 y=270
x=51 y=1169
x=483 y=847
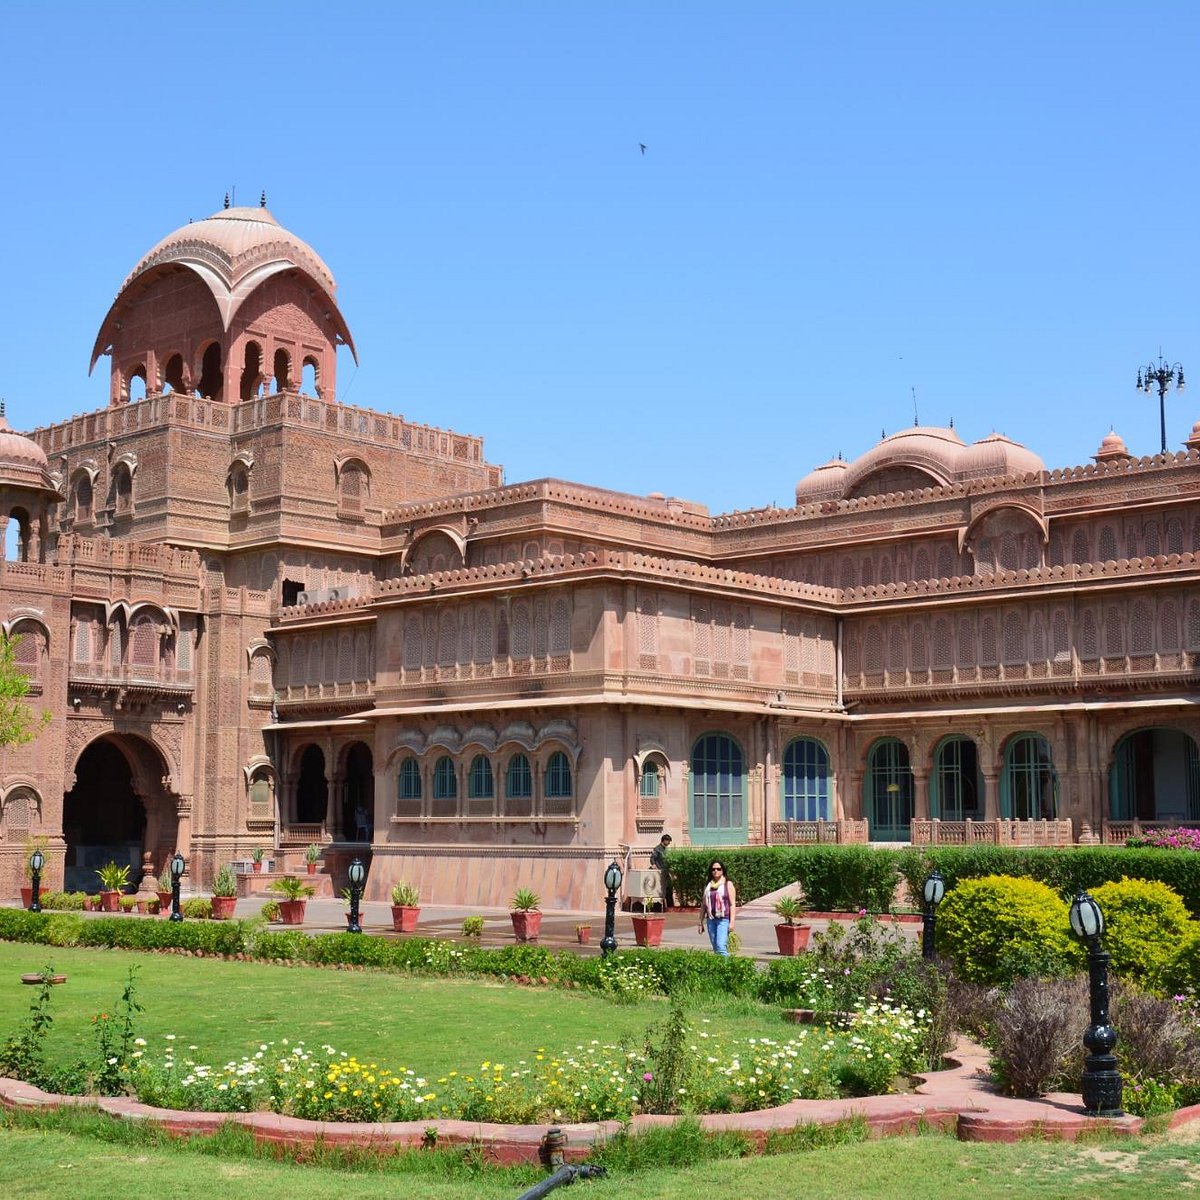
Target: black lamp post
x=612 y=881
x=37 y=860
x=1161 y=376
x=357 y=873
x=934 y=890
x=178 y=866
x=1101 y=1085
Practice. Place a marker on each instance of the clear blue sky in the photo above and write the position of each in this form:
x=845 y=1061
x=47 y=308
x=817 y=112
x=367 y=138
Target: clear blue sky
x=995 y=204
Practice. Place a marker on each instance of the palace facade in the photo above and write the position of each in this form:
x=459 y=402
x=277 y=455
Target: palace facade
x=263 y=618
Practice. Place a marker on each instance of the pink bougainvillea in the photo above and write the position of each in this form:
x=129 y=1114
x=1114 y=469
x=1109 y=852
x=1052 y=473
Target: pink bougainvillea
x=1168 y=839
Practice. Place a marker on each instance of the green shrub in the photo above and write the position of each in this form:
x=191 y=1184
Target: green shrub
x=63 y=901
x=1182 y=973
x=199 y=907
x=997 y=929
x=1144 y=922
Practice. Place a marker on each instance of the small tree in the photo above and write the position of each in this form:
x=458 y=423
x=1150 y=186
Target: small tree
x=18 y=724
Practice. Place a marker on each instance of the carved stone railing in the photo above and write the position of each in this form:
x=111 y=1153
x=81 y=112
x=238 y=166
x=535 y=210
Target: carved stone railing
x=1117 y=833
x=935 y=832
x=799 y=833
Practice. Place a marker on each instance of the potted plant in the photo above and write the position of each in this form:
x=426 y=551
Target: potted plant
x=113 y=881
x=406 y=907
x=270 y=911
x=311 y=857
x=127 y=903
x=224 y=897
x=583 y=934
x=648 y=924
x=472 y=927
x=165 y=894
x=526 y=915
x=789 y=933
x=295 y=896
x=257 y=859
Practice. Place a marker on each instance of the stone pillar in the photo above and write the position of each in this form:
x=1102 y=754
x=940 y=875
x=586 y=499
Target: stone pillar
x=183 y=827
x=921 y=795
x=991 y=796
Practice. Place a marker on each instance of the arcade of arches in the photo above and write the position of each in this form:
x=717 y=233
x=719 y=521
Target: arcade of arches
x=352 y=792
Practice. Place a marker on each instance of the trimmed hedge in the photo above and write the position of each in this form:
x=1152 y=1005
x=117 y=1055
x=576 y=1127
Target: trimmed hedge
x=1144 y=924
x=834 y=878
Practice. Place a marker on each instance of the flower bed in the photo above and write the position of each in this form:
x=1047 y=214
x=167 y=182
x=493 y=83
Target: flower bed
x=592 y=1082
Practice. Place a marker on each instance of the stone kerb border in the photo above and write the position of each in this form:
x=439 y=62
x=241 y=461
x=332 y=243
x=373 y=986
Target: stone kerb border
x=955 y=1100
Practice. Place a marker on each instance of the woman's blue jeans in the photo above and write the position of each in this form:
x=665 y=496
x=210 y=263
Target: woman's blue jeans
x=718 y=934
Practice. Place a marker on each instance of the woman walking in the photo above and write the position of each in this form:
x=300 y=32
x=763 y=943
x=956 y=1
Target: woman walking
x=717 y=908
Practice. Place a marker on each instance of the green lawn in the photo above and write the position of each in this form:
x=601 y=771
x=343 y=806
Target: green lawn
x=87 y=1163
x=227 y=1009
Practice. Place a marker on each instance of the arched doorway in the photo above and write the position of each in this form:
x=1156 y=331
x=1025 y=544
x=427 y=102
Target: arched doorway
x=117 y=811
x=312 y=788
x=1029 y=784
x=889 y=791
x=1155 y=777
x=358 y=795
x=957 y=791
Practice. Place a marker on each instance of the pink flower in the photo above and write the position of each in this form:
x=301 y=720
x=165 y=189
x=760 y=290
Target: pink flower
x=648 y=1076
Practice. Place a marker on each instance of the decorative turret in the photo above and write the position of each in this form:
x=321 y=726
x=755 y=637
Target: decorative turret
x=1112 y=449
x=27 y=490
x=226 y=308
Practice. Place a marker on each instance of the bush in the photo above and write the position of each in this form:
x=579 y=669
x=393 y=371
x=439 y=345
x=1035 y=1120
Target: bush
x=63 y=901
x=199 y=907
x=1038 y=1024
x=1159 y=1041
x=1144 y=922
x=1182 y=973
x=997 y=929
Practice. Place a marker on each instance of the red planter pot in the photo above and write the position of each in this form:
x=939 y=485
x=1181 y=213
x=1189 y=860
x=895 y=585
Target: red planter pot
x=792 y=939
x=404 y=917
x=526 y=925
x=110 y=901
x=291 y=912
x=164 y=903
x=584 y=935
x=257 y=867
x=312 y=868
x=648 y=928
x=26 y=896
x=222 y=907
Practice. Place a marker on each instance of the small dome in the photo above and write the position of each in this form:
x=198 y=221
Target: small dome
x=23 y=463
x=998 y=455
x=1112 y=448
x=923 y=456
x=825 y=481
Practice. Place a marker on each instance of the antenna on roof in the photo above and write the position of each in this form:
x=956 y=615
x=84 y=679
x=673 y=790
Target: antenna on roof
x=916 y=416
x=882 y=434
x=262 y=200
x=951 y=422
x=226 y=199
x=1 y=408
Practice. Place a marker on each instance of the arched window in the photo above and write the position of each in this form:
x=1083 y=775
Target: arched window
x=805 y=781
x=649 y=781
x=1029 y=785
x=480 y=785
x=173 y=374
x=310 y=376
x=518 y=787
x=283 y=371
x=559 y=786
x=718 y=786
x=445 y=788
x=83 y=500
x=889 y=791
x=353 y=486
x=251 y=372
x=408 y=786
x=957 y=789
x=135 y=384
x=211 y=379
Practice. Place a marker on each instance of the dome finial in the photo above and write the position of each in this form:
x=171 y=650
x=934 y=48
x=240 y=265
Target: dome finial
x=262 y=200
x=1 y=408
x=951 y=422
x=226 y=199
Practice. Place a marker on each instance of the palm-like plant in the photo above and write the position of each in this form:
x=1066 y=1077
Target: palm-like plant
x=290 y=888
x=790 y=909
x=525 y=900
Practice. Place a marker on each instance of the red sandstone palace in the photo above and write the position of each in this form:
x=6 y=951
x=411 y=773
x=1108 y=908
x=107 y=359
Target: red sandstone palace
x=262 y=618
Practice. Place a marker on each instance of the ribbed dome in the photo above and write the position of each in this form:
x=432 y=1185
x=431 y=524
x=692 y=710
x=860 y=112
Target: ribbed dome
x=233 y=252
x=23 y=463
x=825 y=481
x=998 y=455
x=924 y=450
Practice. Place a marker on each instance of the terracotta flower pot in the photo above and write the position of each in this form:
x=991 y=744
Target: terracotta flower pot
x=312 y=868
x=526 y=925
x=291 y=912
x=164 y=903
x=257 y=868
x=648 y=928
x=110 y=901
x=404 y=917
x=583 y=934
x=222 y=907
x=26 y=895
x=792 y=939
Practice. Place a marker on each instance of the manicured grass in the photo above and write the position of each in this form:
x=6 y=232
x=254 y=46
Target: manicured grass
x=90 y=1158
x=227 y=1009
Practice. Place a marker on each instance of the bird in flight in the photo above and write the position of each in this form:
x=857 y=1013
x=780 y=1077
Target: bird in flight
x=642 y=147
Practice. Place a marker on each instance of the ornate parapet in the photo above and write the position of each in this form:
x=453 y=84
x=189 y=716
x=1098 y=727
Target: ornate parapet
x=826 y=833
x=935 y=832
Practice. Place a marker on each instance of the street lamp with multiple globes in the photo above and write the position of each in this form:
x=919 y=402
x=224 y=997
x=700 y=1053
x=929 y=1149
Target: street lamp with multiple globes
x=178 y=866
x=357 y=873
x=1161 y=376
x=612 y=881
x=933 y=891
x=1101 y=1086
x=37 y=860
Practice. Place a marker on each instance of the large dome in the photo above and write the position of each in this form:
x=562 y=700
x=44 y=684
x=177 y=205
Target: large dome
x=233 y=251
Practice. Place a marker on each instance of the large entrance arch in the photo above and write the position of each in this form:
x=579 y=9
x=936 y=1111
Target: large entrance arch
x=1155 y=776
x=117 y=811
x=358 y=794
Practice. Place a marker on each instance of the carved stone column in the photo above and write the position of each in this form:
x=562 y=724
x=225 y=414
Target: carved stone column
x=921 y=795
x=991 y=796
